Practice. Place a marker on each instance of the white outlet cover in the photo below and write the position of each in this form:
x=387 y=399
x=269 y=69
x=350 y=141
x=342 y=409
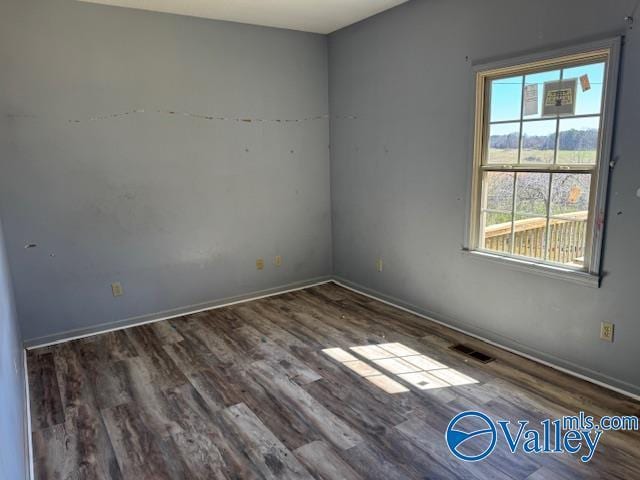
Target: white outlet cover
x=116 y=289
x=611 y=327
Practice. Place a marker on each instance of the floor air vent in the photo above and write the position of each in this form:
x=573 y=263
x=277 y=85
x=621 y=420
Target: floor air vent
x=470 y=352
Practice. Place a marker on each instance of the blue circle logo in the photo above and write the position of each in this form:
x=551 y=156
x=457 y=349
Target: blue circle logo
x=471 y=425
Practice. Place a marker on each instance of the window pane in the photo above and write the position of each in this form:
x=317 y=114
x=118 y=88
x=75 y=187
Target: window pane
x=538 y=141
x=503 y=143
x=539 y=79
x=567 y=240
x=497 y=232
x=530 y=236
x=578 y=142
x=532 y=192
x=499 y=191
x=525 y=210
x=506 y=99
x=588 y=101
x=570 y=194
x=568 y=226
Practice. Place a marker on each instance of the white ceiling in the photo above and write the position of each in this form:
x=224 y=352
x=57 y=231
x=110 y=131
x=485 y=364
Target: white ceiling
x=319 y=16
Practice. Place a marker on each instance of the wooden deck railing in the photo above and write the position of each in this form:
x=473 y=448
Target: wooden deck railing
x=567 y=235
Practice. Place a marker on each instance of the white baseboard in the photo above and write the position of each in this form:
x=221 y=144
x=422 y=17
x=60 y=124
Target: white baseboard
x=55 y=339
x=604 y=381
x=29 y=440
x=596 y=378
x=291 y=288
x=68 y=336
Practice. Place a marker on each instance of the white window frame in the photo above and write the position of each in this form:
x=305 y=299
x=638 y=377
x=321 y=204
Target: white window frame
x=605 y=50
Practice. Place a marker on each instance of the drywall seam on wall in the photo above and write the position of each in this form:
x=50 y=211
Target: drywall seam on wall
x=111 y=116
x=203 y=117
x=496 y=340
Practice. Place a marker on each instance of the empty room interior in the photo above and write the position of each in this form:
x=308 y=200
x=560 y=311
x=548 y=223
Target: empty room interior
x=319 y=239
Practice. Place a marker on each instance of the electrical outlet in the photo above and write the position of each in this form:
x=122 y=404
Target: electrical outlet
x=606 y=331
x=379 y=265
x=277 y=261
x=116 y=289
x=260 y=264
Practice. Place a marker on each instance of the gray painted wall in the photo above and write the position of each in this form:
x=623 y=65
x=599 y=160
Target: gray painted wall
x=399 y=177
x=176 y=207
x=13 y=460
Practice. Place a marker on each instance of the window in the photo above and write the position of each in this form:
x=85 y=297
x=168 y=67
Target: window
x=541 y=159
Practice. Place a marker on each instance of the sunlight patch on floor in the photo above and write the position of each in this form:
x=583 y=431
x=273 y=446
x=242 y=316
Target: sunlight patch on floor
x=416 y=369
x=365 y=370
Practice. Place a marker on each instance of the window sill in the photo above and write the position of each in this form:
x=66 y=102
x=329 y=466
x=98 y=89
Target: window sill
x=550 y=271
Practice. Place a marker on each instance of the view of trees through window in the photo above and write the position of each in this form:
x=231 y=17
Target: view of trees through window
x=537 y=169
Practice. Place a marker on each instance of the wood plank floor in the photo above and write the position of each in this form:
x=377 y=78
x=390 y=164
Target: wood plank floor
x=250 y=391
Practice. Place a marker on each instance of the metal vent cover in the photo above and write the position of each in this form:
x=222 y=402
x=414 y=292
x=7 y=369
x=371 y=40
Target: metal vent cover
x=473 y=353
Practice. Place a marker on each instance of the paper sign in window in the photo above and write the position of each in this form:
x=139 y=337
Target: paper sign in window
x=559 y=98
x=585 y=83
x=530 y=99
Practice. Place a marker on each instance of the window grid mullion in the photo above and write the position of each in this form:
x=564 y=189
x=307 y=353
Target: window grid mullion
x=548 y=223
x=578 y=168
x=555 y=162
x=515 y=174
x=543 y=119
x=513 y=212
x=521 y=116
x=557 y=142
